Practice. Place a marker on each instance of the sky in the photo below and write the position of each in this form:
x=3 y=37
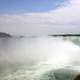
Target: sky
x=39 y=17
x=12 y=6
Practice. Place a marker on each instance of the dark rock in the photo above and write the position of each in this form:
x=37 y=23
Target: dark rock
x=77 y=77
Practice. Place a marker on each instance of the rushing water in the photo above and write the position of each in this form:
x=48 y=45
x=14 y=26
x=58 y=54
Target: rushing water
x=39 y=58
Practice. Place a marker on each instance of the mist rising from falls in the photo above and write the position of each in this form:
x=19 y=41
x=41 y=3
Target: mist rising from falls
x=39 y=54
x=38 y=49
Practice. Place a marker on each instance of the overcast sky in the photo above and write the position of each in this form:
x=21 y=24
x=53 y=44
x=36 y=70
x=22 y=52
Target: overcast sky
x=39 y=17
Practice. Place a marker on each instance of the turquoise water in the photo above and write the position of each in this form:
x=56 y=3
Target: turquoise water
x=39 y=58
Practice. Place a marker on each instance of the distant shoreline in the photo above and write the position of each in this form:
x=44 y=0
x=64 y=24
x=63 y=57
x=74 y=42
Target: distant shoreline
x=3 y=34
x=64 y=35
